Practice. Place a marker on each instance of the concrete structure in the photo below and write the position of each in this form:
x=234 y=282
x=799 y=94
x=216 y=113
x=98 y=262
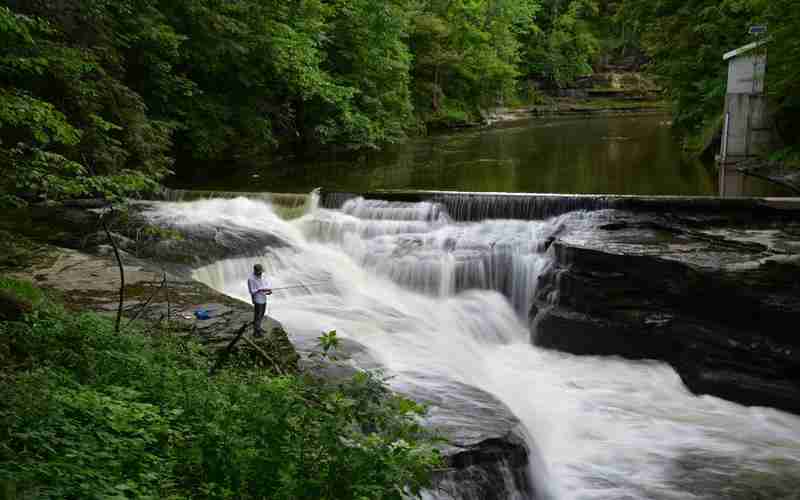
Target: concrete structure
x=748 y=126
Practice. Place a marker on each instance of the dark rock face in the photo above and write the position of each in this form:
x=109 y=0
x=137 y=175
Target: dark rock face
x=721 y=306
x=775 y=172
x=485 y=450
x=496 y=470
x=484 y=447
x=180 y=247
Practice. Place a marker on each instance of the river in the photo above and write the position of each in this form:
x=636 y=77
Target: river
x=627 y=154
x=435 y=300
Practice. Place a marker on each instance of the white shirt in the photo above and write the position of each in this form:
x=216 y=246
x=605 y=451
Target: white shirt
x=255 y=283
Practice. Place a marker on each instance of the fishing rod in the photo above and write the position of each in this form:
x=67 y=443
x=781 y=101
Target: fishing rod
x=300 y=286
x=266 y=309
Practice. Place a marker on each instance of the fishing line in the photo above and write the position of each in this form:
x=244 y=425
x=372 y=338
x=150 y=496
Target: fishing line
x=266 y=311
x=300 y=286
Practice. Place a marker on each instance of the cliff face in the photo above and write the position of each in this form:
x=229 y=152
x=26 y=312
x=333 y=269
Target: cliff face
x=721 y=305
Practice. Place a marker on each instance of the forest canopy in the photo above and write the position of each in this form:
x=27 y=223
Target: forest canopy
x=106 y=98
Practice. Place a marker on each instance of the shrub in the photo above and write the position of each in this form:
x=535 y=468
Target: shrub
x=86 y=413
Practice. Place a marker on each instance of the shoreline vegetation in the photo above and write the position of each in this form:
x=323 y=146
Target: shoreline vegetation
x=58 y=343
x=102 y=99
x=88 y=412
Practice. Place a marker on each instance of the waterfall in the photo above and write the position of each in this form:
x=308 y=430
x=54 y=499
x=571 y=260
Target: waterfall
x=433 y=299
x=481 y=206
x=286 y=205
x=418 y=246
x=477 y=207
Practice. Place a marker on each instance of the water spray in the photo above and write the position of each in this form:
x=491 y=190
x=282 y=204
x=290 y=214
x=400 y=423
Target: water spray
x=266 y=311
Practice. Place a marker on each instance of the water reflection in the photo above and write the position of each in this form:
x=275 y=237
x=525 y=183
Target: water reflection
x=634 y=154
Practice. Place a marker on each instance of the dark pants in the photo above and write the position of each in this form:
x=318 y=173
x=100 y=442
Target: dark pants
x=258 y=316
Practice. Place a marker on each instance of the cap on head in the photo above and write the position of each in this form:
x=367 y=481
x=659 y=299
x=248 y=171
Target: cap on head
x=258 y=269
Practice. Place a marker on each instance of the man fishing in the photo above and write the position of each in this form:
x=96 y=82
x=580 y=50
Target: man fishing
x=259 y=289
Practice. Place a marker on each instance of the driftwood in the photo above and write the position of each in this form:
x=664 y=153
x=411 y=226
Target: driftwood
x=266 y=356
x=239 y=336
x=149 y=300
x=224 y=354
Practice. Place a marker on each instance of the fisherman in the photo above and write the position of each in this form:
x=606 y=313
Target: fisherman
x=259 y=289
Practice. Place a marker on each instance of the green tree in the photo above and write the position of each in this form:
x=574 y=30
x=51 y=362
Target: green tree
x=686 y=40
x=368 y=53
x=467 y=54
x=102 y=97
x=65 y=112
x=563 y=46
x=783 y=75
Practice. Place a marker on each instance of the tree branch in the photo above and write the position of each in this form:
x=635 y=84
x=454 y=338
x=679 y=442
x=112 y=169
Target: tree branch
x=224 y=355
x=147 y=303
x=121 y=272
x=266 y=356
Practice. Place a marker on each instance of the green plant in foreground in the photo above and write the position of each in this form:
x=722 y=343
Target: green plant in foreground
x=86 y=413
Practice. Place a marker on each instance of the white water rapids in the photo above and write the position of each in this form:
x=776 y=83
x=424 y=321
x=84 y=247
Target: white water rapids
x=431 y=299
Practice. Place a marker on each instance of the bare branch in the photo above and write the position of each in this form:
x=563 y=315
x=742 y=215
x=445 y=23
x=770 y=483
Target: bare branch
x=121 y=271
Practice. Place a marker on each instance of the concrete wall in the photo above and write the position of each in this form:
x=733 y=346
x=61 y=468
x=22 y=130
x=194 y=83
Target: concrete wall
x=746 y=74
x=749 y=127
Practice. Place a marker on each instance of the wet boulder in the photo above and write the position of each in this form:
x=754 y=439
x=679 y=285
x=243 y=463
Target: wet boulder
x=486 y=451
x=189 y=245
x=720 y=304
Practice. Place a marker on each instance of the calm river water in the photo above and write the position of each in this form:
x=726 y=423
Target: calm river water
x=632 y=154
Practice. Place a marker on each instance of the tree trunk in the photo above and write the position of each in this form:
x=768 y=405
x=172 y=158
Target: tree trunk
x=121 y=273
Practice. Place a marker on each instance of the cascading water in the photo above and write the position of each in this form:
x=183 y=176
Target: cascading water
x=482 y=206
x=435 y=300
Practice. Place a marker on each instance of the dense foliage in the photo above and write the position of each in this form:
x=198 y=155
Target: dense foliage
x=86 y=413
x=564 y=44
x=99 y=97
x=687 y=38
x=467 y=54
x=68 y=125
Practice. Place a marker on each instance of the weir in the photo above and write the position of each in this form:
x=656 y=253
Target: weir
x=441 y=302
x=288 y=205
x=537 y=206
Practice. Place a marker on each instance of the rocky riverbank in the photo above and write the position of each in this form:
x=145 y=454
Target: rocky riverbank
x=718 y=300
x=776 y=172
x=486 y=454
x=572 y=107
